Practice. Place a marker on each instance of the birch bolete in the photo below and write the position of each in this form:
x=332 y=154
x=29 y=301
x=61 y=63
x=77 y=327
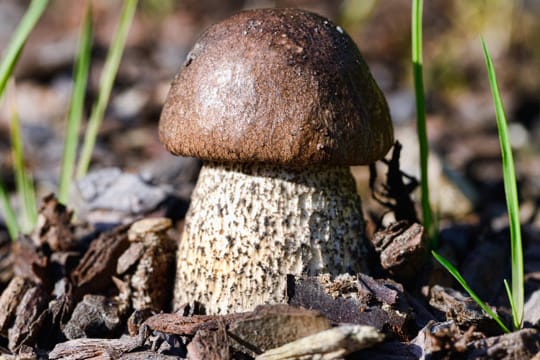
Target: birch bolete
x=278 y=103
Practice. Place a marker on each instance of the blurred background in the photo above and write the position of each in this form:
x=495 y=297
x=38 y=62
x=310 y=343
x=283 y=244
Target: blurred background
x=465 y=157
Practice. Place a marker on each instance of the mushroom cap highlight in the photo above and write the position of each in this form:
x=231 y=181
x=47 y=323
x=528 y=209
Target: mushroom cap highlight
x=279 y=86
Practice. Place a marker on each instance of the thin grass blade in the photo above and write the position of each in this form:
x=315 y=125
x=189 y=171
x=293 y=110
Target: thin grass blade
x=455 y=273
x=510 y=188
x=510 y=299
x=416 y=29
x=23 y=183
x=9 y=214
x=9 y=60
x=76 y=108
x=14 y=48
x=107 y=78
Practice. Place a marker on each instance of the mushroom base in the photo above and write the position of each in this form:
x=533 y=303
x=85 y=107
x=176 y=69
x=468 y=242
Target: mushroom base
x=249 y=225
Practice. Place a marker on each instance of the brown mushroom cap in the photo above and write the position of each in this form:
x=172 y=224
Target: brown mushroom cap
x=279 y=86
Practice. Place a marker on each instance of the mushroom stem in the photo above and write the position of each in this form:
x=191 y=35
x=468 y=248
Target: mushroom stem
x=249 y=225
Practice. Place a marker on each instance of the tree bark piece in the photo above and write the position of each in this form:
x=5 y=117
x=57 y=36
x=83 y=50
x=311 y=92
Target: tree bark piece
x=356 y=300
x=327 y=345
x=30 y=316
x=94 y=348
x=10 y=299
x=402 y=249
x=522 y=344
x=98 y=265
x=463 y=310
x=54 y=226
x=210 y=345
x=251 y=333
x=148 y=264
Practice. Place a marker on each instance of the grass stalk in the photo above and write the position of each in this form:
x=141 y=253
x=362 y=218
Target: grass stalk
x=516 y=295
x=76 y=108
x=455 y=273
x=9 y=60
x=106 y=82
x=416 y=29
x=8 y=212
x=23 y=182
x=14 y=48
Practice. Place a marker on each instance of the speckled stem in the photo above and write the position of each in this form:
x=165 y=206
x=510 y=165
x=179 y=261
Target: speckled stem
x=249 y=225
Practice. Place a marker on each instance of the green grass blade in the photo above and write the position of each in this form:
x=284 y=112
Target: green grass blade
x=75 y=114
x=511 y=300
x=107 y=78
x=23 y=183
x=510 y=188
x=9 y=60
x=416 y=29
x=455 y=273
x=13 y=50
x=9 y=214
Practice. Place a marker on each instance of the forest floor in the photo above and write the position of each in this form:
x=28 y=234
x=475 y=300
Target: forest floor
x=71 y=288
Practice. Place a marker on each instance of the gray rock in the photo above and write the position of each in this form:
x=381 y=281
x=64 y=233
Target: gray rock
x=94 y=316
x=110 y=195
x=532 y=309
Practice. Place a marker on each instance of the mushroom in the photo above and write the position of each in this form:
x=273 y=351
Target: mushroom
x=279 y=104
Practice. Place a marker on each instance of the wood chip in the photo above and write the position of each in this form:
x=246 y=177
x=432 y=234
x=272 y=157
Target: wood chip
x=94 y=348
x=276 y=317
x=327 y=345
x=269 y=327
x=522 y=344
x=129 y=258
x=6 y=260
x=182 y=325
x=98 y=265
x=463 y=310
x=210 y=345
x=54 y=226
x=402 y=249
x=29 y=317
x=32 y=262
x=9 y=301
x=151 y=256
x=442 y=338
x=378 y=303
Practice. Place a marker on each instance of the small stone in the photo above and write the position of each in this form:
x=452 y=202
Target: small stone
x=111 y=196
x=94 y=316
x=532 y=309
